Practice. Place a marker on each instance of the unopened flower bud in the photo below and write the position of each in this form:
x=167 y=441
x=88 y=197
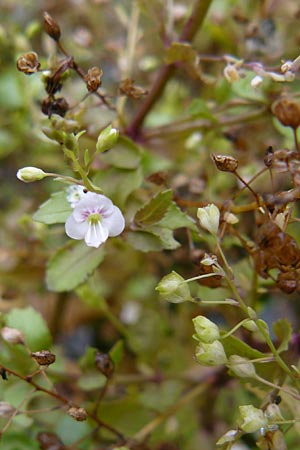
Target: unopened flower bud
x=29 y=174
x=44 y=357
x=287 y=111
x=230 y=218
x=173 y=288
x=225 y=163
x=250 y=325
x=93 y=79
x=78 y=414
x=28 y=63
x=206 y=330
x=51 y=27
x=6 y=410
x=229 y=436
x=231 y=73
x=209 y=218
x=107 y=139
x=241 y=367
x=273 y=413
x=256 y=81
x=253 y=419
x=211 y=354
x=12 y=335
x=105 y=364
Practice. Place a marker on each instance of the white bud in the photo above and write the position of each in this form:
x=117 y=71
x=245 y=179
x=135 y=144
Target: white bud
x=29 y=174
x=209 y=218
x=6 y=410
x=241 y=367
x=230 y=218
x=12 y=335
x=206 y=330
x=253 y=419
x=211 y=354
x=107 y=139
x=256 y=81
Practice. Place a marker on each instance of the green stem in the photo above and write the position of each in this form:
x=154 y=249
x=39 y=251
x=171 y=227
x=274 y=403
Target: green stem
x=280 y=388
x=200 y=277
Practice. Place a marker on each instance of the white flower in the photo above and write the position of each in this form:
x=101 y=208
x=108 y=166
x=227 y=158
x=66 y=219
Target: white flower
x=74 y=194
x=94 y=219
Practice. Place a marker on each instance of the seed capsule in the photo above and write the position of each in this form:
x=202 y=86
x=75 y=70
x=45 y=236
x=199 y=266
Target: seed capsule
x=225 y=163
x=287 y=112
x=28 y=63
x=93 y=79
x=51 y=27
x=105 y=364
x=78 y=414
x=44 y=357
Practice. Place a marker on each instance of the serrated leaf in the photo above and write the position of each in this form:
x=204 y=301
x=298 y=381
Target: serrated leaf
x=175 y=218
x=32 y=325
x=180 y=52
x=155 y=209
x=283 y=331
x=55 y=210
x=124 y=155
x=72 y=265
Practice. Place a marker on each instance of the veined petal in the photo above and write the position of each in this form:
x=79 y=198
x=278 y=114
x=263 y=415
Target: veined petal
x=74 y=229
x=96 y=234
x=115 y=223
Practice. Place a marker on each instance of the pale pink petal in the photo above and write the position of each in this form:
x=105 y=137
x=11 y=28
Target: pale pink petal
x=96 y=234
x=74 y=229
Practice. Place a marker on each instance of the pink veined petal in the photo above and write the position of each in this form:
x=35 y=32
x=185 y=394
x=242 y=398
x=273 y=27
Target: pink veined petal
x=96 y=234
x=115 y=223
x=92 y=203
x=74 y=229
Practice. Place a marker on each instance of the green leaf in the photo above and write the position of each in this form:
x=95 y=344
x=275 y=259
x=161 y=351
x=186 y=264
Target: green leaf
x=32 y=325
x=118 y=184
x=117 y=352
x=18 y=440
x=55 y=210
x=71 y=266
x=199 y=109
x=180 y=52
x=144 y=241
x=155 y=209
x=175 y=218
x=234 y=346
x=125 y=154
x=283 y=331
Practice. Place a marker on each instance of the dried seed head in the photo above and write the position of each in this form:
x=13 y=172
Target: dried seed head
x=93 y=79
x=12 y=335
x=269 y=156
x=57 y=106
x=128 y=88
x=287 y=112
x=287 y=281
x=225 y=163
x=28 y=63
x=44 y=357
x=105 y=364
x=78 y=414
x=49 y=441
x=51 y=27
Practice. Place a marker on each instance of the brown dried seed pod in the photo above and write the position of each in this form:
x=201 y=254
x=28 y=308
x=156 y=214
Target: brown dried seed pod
x=49 y=441
x=269 y=156
x=225 y=163
x=44 y=357
x=287 y=281
x=128 y=88
x=51 y=27
x=28 y=63
x=78 y=414
x=93 y=79
x=57 y=106
x=287 y=112
x=105 y=364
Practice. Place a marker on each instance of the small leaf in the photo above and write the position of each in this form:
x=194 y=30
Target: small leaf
x=71 y=266
x=175 y=218
x=283 y=331
x=199 y=109
x=234 y=346
x=125 y=154
x=55 y=210
x=144 y=241
x=155 y=209
x=117 y=352
x=32 y=325
x=180 y=52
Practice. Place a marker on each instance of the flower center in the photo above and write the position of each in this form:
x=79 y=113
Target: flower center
x=94 y=218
